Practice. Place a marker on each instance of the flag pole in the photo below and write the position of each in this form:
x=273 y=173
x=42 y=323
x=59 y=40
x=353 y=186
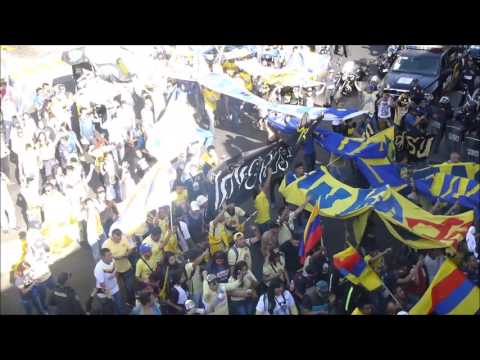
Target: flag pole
x=391 y=294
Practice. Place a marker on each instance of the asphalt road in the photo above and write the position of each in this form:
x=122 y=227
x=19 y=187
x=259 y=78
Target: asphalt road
x=229 y=143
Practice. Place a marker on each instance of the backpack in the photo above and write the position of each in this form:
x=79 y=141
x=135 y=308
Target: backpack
x=265 y=303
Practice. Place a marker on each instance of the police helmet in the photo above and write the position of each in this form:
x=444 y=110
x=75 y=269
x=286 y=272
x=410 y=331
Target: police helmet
x=445 y=100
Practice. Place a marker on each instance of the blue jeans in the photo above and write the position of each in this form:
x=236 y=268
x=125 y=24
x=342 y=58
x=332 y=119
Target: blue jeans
x=263 y=227
x=96 y=251
x=197 y=298
x=33 y=301
x=128 y=278
x=42 y=290
x=119 y=304
x=242 y=307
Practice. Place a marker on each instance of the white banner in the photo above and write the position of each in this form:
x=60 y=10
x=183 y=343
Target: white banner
x=285 y=77
x=152 y=192
x=174 y=132
x=225 y=85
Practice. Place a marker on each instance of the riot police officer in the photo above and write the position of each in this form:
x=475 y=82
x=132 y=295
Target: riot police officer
x=470 y=117
x=466 y=116
x=64 y=298
x=438 y=120
x=416 y=92
x=468 y=74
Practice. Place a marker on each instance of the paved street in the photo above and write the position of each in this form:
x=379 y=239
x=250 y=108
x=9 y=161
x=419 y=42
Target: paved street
x=229 y=143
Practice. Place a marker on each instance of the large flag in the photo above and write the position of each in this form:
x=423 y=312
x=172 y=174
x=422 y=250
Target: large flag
x=223 y=84
x=175 y=131
x=450 y=189
x=236 y=178
x=371 y=156
x=380 y=172
x=445 y=229
x=373 y=148
x=352 y=266
x=339 y=200
x=152 y=192
x=467 y=170
x=450 y=293
x=312 y=235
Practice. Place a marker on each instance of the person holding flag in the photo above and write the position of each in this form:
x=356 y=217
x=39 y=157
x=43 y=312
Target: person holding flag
x=353 y=266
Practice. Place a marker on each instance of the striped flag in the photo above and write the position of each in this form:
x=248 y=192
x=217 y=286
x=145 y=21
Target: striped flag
x=312 y=235
x=352 y=266
x=450 y=293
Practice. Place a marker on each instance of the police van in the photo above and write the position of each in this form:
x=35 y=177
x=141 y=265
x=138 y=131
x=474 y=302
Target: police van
x=435 y=67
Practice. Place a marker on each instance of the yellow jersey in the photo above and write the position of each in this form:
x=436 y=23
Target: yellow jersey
x=262 y=205
x=211 y=98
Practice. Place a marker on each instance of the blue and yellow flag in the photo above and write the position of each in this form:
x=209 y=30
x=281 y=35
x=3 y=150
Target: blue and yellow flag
x=450 y=189
x=467 y=170
x=375 y=147
x=380 y=172
x=338 y=200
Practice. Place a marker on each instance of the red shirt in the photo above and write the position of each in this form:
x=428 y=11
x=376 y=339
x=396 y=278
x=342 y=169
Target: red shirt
x=420 y=286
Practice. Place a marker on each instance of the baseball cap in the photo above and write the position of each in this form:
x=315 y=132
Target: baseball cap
x=402 y=313
x=211 y=278
x=237 y=235
x=194 y=206
x=322 y=286
x=145 y=248
x=201 y=200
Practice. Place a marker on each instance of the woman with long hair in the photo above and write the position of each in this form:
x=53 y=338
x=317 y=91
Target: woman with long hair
x=168 y=269
x=46 y=152
x=219 y=266
x=277 y=301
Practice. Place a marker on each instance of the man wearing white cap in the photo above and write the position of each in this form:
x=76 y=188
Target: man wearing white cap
x=240 y=250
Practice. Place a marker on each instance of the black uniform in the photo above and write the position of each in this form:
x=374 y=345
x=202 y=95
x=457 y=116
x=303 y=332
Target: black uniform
x=99 y=304
x=66 y=301
x=468 y=77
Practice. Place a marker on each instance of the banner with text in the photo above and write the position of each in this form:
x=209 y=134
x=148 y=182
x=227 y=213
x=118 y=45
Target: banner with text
x=237 y=178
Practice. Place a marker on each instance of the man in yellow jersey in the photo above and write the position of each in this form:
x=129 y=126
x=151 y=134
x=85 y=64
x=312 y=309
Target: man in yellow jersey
x=262 y=204
x=155 y=243
x=211 y=99
x=121 y=248
x=218 y=238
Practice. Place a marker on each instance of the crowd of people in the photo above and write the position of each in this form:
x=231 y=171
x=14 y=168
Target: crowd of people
x=73 y=165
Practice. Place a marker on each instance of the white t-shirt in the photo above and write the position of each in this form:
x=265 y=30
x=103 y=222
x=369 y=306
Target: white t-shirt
x=104 y=274
x=384 y=110
x=235 y=219
x=282 y=304
x=471 y=243
x=182 y=295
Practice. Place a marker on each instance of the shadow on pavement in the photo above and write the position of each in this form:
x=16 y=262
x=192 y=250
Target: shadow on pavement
x=375 y=50
x=237 y=144
x=79 y=263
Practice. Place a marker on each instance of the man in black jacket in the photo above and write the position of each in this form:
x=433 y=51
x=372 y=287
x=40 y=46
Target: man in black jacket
x=64 y=298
